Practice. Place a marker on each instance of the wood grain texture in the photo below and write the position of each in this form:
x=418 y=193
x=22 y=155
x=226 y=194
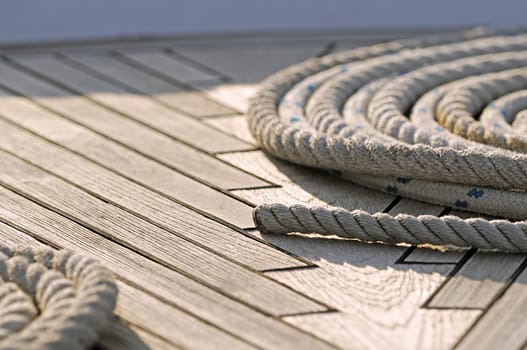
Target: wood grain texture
x=167 y=285
x=144 y=310
x=503 y=326
x=171 y=323
x=134 y=105
x=149 y=240
x=373 y=296
x=120 y=336
x=360 y=280
x=478 y=281
x=144 y=79
x=438 y=329
x=128 y=132
x=125 y=161
x=146 y=204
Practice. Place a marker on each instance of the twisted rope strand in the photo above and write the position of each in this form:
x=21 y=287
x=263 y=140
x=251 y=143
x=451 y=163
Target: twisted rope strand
x=52 y=300
x=346 y=112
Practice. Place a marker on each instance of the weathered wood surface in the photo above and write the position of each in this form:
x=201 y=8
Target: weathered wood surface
x=146 y=204
x=171 y=250
x=125 y=161
x=108 y=151
x=127 y=132
x=139 y=107
x=123 y=70
x=478 y=282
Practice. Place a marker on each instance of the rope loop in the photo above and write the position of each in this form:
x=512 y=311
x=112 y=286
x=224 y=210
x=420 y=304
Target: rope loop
x=437 y=120
x=52 y=300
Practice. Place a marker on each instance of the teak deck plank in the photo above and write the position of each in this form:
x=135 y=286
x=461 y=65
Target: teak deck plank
x=235 y=125
x=151 y=241
x=116 y=68
x=124 y=161
x=168 y=285
x=373 y=296
x=251 y=63
x=172 y=324
x=503 y=326
x=164 y=62
x=109 y=150
x=128 y=132
x=145 y=313
x=478 y=281
x=139 y=107
x=356 y=278
x=144 y=203
x=119 y=336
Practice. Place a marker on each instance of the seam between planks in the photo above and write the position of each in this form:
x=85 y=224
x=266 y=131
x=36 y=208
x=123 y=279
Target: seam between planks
x=503 y=290
x=153 y=222
x=175 y=55
x=153 y=258
x=181 y=171
x=76 y=93
x=138 y=66
x=44 y=241
x=466 y=256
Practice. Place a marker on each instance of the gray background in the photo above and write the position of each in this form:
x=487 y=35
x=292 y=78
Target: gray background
x=23 y=20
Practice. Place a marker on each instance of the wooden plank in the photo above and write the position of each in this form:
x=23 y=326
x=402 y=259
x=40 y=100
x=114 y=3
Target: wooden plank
x=425 y=254
x=235 y=125
x=139 y=107
x=144 y=203
x=303 y=185
x=167 y=285
x=236 y=96
x=121 y=336
x=248 y=64
x=115 y=68
x=478 y=281
x=373 y=296
x=503 y=326
x=124 y=161
x=433 y=256
x=433 y=329
x=124 y=130
x=170 y=250
x=145 y=311
x=164 y=62
x=172 y=324
x=412 y=207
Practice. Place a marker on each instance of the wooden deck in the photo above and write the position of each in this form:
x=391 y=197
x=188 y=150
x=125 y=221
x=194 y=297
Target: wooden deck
x=137 y=153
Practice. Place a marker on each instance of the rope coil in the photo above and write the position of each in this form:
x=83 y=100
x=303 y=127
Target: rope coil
x=440 y=121
x=52 y=300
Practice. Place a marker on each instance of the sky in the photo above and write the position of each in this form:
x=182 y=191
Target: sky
x=29 y=21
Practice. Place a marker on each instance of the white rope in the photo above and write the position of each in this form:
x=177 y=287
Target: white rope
x=52 y=300
x=404 y=118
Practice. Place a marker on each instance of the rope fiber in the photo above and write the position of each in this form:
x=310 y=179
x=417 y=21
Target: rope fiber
x=440 y=120
x=52 y=300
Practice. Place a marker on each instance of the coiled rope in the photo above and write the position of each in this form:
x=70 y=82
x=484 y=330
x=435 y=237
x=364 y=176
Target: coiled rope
x=437 y=120
x=52 y=300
